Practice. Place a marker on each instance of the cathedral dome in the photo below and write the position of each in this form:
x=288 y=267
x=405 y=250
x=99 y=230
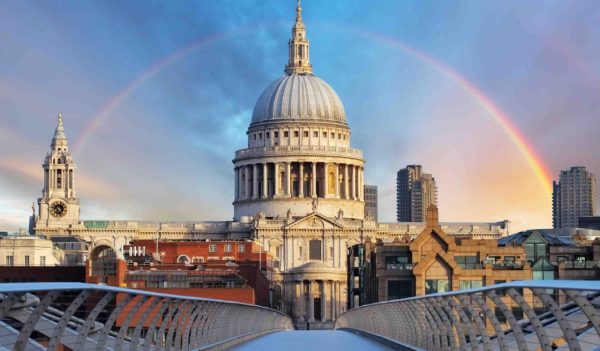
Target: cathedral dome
x=299 y=97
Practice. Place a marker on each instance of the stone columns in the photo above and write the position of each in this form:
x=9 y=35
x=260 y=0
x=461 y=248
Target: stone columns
x=301 y=179
x=354 y=184
x=288 y=178
x=323 y=301
x=346 y=194
x=265 y=189
x=337 y=181
x=237 y=184
x=276 y=179
x=255 y=181
x=297 y=298
x=310 y=314
x=246 y=183
x=361 y=188
x=313 y=180
x=326 y=179
x=333 y=300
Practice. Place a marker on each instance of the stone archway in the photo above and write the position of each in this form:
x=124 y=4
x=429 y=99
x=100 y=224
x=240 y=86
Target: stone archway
x=103 y=263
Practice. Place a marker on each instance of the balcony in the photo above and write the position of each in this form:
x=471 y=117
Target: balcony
x=298 y=149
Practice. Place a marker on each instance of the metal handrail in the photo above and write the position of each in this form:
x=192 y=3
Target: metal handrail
x=87 y=316
x=524 y=315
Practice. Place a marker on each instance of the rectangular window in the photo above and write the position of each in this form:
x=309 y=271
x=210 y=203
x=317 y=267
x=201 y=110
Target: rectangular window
x=499 y=315
x=10 y=260
x=296 y=134
x=26 y=260
x=286 y=134
x=276 y=134
x=42 y=261
x=331 y=252
x=267 y=135
x=332 y=135
x=254 y=136
x=398 y=262
x=315 y=250
x=228 y=247
x=433 y=286
x=212 y=248
x=241 y=248
x=500 y=292
x=316 y=134
x=59 y=179
x=468 y=262
x=469 y=284
x=399 y=289
x=340 y=136
x=324 y=134
x=306 y=133
x=260 y=136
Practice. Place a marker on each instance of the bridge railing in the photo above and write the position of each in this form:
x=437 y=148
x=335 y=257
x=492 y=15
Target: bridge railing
x=40 y=316
x=523 y=315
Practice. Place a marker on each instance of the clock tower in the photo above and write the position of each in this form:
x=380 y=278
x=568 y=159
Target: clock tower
x=59 y=205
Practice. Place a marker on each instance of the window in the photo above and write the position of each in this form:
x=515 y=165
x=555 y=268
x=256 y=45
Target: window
x=534 y=251
x=324 y=134
x=267 y=135
x=300 y=252
x=59 y=179
x=315 y=134
x=315 y=250
x=10 y=260
x=278 y=251
x=433 y=286
x=499 y=315
x=296 y=134
x=228 y=247
x=286 y=134
x=260 y=136
x=276 y=134
x=340 y=136
x=398 y=262
x=26 y=260
x=306 y=133
x=332 y=135
x=241 y=248
x=469 y=284
x=468 y=262
x=254 y=136
x=331 y=252
x=42 y=261
x=212 y=248
x=399 y=289
x=344 y=137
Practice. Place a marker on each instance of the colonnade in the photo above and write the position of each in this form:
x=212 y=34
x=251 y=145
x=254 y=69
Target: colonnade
x=299 y=179
x=328 y=294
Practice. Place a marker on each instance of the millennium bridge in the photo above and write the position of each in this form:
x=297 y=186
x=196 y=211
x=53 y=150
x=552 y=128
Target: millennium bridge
x=524 y=315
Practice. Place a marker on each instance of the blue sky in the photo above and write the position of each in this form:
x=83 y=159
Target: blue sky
x=164 y=151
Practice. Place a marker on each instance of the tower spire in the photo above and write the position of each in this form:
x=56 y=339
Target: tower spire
x=299 y=58
x=59 y=138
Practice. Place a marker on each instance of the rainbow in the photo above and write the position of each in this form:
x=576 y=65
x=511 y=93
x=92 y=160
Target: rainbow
x=534 y=160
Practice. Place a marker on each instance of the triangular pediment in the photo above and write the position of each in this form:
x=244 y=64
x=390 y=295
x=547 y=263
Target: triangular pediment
x=314 y=221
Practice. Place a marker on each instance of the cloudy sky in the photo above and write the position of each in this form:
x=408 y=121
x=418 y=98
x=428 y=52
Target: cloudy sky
x=156 y=97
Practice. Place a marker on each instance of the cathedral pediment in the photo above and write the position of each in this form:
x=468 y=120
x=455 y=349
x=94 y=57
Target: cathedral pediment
x=314 y=221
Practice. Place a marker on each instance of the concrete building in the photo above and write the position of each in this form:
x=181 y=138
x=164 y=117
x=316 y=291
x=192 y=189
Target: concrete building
x=299 y=195
x=573 y=196
x=371 y=208
x=415 y=192
x=17 y=250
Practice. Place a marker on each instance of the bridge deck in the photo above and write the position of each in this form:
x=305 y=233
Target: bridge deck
x=312 y=340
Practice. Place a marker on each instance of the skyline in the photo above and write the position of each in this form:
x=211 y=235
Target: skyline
x=160 y=87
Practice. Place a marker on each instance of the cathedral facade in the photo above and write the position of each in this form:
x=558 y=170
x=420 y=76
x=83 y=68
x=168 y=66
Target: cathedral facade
x=298 y=193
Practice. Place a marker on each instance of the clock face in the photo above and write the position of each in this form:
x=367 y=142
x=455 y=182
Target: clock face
x=58 y=209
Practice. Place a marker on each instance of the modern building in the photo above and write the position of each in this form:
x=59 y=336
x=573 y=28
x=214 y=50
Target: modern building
x=573 y=196
x=371 y=210
x=589 y=222
x=299 y=195
x=415 y=192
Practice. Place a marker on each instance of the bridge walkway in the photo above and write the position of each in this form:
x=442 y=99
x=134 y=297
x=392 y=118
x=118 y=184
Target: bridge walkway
x=328 y=340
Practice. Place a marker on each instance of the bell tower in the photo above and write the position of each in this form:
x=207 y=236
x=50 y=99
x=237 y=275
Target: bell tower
x=59 y=205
